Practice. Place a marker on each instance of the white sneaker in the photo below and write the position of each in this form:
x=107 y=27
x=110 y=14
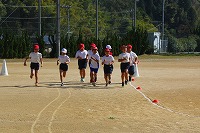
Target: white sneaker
x=82 y=80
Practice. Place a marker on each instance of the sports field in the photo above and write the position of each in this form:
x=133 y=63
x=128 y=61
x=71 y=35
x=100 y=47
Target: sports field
x=81 y=108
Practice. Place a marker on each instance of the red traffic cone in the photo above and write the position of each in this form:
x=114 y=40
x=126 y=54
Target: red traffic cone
x=155 y=101
x=133 y=79
x=139 y=88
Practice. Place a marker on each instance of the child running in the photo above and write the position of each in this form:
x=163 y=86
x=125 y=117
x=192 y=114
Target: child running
x=94 y=65
x=64 y=61
x=35 y=57
x=124 y=58
x=107 y=61
x=82 y=56
x=90 y=52
x=133 y=61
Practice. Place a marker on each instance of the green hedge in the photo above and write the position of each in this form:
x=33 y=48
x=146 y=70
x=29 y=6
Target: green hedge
x=19 y=46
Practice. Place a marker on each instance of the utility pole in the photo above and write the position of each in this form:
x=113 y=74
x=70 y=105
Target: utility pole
x=133 y=18
x=68 y=21
x=39 y=18
x=135 y=13
x=163 y=25
x=97 y=21
x=58 y=27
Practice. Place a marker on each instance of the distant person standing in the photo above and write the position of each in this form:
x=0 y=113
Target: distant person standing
x=107 y=61
x=124 y=58
x=64 y=60
x=82 y=56
x=133 y=61
x=110 y=48
x=35 y=57
x=94 y=65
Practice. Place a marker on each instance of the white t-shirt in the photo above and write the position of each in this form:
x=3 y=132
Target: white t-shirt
x=107 y=59
x=124 y=56
x=82 y=54
x=35 y=57
x=132 y=58
x=64 y=58
x=94 y=64
x=91 y=53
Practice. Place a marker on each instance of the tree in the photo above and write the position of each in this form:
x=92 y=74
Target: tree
x=192 y=18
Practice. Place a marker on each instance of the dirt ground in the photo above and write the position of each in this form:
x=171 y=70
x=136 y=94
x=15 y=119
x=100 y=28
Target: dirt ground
x=81 y=108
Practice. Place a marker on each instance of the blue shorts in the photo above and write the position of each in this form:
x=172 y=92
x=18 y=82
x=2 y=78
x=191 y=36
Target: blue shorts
x=124 y=66
x=63 y=66
x=95 y=70
x=82 y=63
x=108 y=69
x=131 y=70
x=35 y=66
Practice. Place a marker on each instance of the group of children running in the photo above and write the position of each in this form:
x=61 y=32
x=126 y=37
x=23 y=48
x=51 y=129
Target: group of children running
x=127 y=59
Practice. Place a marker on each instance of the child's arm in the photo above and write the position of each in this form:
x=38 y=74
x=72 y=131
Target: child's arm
x=25 y=61
x=41 y=62
x=111 y=62
x=136 y=59
x=67 y=62
x=103 y=62
x=120 y=60
x=57 y=61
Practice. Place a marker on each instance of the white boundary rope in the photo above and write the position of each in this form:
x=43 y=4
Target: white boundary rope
x=159 y=106
x=54 y=113
x=39 y=114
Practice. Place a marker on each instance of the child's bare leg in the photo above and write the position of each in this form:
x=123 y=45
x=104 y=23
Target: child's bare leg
x=95 y=77
x=64 y=74
x=36 y=77
x=123 y=76
x=105 y=77
x=109 y=77
x=83 y=73
x=90 y=76
x=126 y=75
x=61 y=80
x=31 y=75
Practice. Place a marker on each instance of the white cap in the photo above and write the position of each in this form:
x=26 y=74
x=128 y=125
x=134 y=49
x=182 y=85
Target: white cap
x=64 y=50
x=108 y=47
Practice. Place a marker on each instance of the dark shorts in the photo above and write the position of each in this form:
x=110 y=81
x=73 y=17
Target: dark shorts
x=82 y=63
x=35 y=66
x=95 y=70
x=63 y=67
x=131 y=70
x=108 y=69
x=124 y=66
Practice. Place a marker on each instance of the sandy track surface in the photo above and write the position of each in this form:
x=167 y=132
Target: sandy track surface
x=81 y=108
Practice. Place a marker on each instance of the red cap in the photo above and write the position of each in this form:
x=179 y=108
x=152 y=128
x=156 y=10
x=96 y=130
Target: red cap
x=36 y=46
x=129 y=46
x=92 y=45
x=95 y=48
x=81 y=46
x=107 y=50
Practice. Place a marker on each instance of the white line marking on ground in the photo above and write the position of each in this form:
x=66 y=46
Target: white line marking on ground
x=159 y=106
x=39 y=114
x=54 y=113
